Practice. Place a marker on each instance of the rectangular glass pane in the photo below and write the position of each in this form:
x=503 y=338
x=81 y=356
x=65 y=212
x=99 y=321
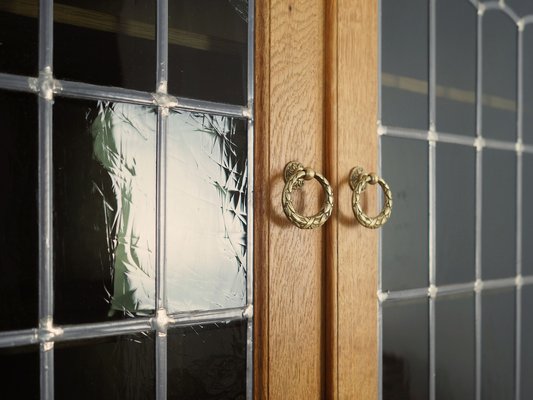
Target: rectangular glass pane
x=527 y=84
x=498 y=241
x=207 y=191
x=404 y=58
x=118 y=367
x=405 y=350
x=456 y=67
x=498 y=344
x=405 y=236
x=526 y=388
x=208 y=49
x=106 y=42
x=18 y=211
x=104 y=210
x=18 y=36
x=527 y=214
x=455 y=347
x=456 y=216
x=207 y=362
x=499 y=76
x=19 y=372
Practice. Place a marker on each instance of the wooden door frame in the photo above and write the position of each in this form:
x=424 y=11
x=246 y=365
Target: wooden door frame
x=331 y=48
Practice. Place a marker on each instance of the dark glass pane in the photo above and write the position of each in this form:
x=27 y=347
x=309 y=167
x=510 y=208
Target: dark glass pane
x=456 y=67
x=527 y=92
x=521 y=7
x=527 y=344
x=18 y=210
x=106 y=42
x=405 y=350
x=456 y=213
x=207 y=49
x=405 y=236
x=207 y=362
x=498 y=344
x=499 y=76
x=404 y=57
x=19 y=44
x=19 y=372
x=104 y=210
x=527 y=215
x=498 y=241
x=120 y=367
x=207 y=191
x=455 y=347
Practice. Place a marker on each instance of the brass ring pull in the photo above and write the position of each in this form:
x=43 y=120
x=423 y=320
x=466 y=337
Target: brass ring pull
x=295 y=174
x=358 y=182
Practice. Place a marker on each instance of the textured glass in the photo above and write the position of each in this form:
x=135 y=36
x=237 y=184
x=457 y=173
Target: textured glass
x=19 y=372
x=207 y=362
x=498 y=344
x=106 y=42
x=110 y=368
x=498 y=240
x=18 y=211
x=405 y=236
x=104 y=210
x=527 y=214
x=455 y=347
x=208 y=49
x=206 y=212
x=456 y=67
x=527 y=83
x=456 y=213
x=527 y=344
x=405 y=350
x=499 y=76
x=18 y=36
x=404 y=58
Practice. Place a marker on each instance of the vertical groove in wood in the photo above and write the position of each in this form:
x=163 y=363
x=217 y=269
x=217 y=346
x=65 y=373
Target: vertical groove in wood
x=357 y=246
x=331 y=161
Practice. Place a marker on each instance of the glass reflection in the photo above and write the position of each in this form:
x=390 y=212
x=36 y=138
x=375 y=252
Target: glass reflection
x=206 y=212
x=104 y=195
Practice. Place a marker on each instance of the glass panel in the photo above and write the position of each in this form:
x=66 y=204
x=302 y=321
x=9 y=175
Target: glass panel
x=528 y=85
x=456 y=217
x=19 y=372
x=527 y=215
x=456 y=67
x=207 y=49
x=18 y=211
x=207 y=199
x=106 y=42
x=119 y=367
x=18 y=36
x=521 y=7
x=405 y=350
x=404 y=78
x=498 y=344
x=455 y=347
x=104 y=210
x=499 y=76
x=527 y=344
x=405 y=236
x=498 y=242
x=207 y=362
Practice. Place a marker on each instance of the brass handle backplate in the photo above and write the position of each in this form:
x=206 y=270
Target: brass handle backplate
x=359 y=180
x=295 y=174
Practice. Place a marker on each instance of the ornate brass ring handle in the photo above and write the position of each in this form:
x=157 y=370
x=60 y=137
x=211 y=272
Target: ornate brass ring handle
x=358 y=182
x=295 y=175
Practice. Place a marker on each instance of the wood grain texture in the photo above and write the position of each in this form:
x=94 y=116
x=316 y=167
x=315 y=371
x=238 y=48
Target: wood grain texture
x=289 y=262
x=357 y=258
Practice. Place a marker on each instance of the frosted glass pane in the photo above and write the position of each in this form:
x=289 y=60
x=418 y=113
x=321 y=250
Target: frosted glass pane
x=206 y=212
